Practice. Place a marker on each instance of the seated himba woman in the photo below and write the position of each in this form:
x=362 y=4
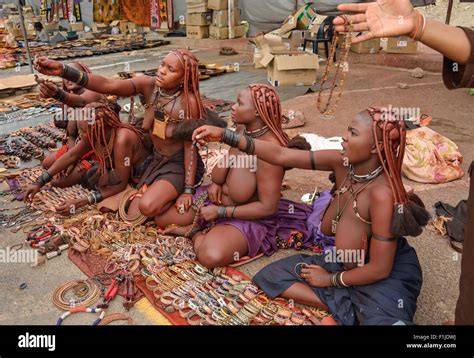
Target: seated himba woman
x=70 y=95
x=242 y=212
x=120 y=152
x=373 y=275
x=172 y=98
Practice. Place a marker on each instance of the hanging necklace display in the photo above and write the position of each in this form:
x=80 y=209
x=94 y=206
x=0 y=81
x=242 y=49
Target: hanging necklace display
x=346 y=45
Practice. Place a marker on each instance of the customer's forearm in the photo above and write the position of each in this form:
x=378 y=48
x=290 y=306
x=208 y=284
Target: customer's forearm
x=451 y=41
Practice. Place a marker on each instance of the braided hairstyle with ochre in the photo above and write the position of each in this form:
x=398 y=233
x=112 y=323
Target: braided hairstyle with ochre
x=267 y=104
x=105 y=116
x=191 y=80
x=409 y=214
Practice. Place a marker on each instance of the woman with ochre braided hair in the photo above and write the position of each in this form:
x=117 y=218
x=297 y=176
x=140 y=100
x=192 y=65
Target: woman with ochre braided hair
x=242 y=212
x=456 y=44
x=120 y=152
x=371 y=275
x=70 y=95
x=172 y=98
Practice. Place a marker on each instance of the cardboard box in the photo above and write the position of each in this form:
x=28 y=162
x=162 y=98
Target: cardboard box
x=295 y=40
x=123 y=26
x=301 y=19
x=197 y=32
x=77 y=26
x=402 y=44
x=219 y=33
x=51 y=26
x=195 y=6
x=293 y=68
x=99 y=28
x=220 y=4
x=199 y=19
x=369 y=46
x=257 y=58
x=220 y=18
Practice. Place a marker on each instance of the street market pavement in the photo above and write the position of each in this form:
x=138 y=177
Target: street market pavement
x=366 y=85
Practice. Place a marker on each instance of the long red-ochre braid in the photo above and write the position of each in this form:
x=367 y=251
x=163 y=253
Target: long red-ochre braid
x=389 y=132
x=389 y=135
x=191 y=80
x=267 y=103
x=104 y=117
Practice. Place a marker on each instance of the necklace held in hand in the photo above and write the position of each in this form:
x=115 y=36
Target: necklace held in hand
x=327 y=109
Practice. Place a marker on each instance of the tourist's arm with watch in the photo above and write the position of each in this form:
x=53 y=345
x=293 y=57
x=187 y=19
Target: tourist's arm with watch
x=327 y=160
x=96 y=83
x=70 y=157
x=123 y=154
x=269 y=178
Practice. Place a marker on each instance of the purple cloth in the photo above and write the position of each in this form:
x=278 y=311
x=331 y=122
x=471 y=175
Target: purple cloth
x=314 y=222
x=16 y=189
x=261 y=234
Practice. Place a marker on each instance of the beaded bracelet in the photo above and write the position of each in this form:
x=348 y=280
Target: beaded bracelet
x=84 y=310
x=60 y=95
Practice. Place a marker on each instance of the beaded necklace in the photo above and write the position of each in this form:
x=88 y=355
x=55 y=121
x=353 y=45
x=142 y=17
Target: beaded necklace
x=342 y=63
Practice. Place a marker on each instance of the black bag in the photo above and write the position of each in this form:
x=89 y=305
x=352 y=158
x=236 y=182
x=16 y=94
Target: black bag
x=454 y=227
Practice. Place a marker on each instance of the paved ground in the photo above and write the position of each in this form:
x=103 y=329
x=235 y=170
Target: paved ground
x=366 y=85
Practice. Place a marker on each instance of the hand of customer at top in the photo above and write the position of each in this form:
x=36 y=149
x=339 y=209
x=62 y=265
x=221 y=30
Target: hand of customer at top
x=383 y=18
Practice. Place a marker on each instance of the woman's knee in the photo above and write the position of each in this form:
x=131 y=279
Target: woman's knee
x=151 y=207
x=48 y=162
x=211 y=257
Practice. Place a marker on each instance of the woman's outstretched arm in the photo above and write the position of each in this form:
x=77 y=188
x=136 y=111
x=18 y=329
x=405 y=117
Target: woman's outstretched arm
x=96 y=83
x=275 y=154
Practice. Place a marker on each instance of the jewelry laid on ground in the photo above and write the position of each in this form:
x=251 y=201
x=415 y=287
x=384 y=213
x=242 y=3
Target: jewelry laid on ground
x=48 y=200
x=211 y=297
x=82 y=310
x=126 y=198
x=76 y=294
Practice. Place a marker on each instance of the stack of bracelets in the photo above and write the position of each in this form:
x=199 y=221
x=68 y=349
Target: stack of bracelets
x=204 y=297
x=151 y=257
x=76 y=294
x=126 y=247
x=51 y=131
x=29 y=176
x=48 y=200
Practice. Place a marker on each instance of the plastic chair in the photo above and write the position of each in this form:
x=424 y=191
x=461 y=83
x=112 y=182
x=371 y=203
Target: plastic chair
x=324 y=35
